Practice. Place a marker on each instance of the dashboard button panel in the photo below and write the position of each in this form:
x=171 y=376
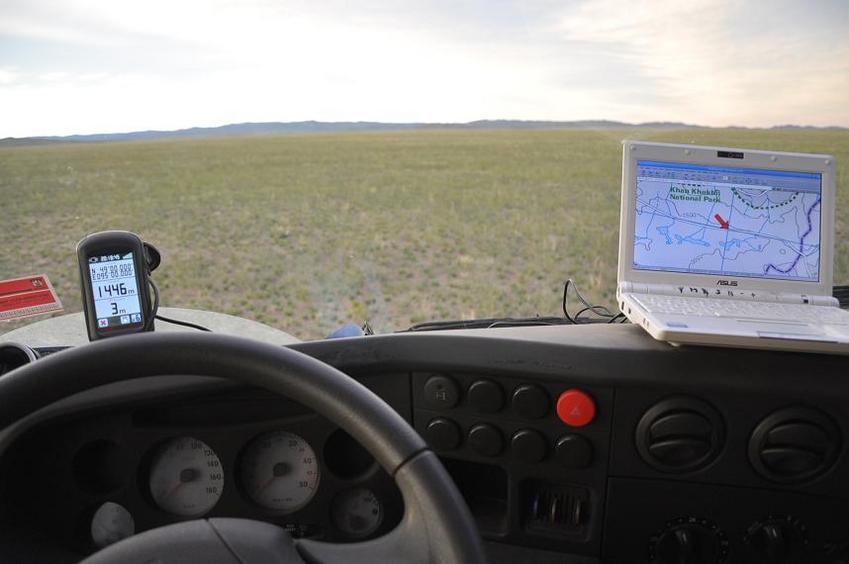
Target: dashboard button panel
x=529 y=478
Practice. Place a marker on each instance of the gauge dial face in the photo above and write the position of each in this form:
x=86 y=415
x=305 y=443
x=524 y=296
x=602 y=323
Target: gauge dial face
x=111 y=523
x=186 y=477
x=357 y=512
x=280 y=471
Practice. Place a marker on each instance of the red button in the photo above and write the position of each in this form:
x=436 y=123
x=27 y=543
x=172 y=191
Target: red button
x=575 y=408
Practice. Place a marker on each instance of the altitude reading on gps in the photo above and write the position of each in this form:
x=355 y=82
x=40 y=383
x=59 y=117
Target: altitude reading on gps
x=115 y=290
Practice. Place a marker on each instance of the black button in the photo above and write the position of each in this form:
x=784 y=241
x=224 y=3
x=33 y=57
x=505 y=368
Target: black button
x=441 y=392
x=528 y=446
x=486 y=396
x=573 y=451
x=531 y=402
x=442 y=434
x=485 y=439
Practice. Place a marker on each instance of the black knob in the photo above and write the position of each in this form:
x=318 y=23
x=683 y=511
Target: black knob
x=689 y=541
x=441 y=392
x=486 y=440
x=529 y=446
x=573 y=451
x=486 y=396
x=680 y=546
x=442 y=434
x=777 y=540
x=530 y=402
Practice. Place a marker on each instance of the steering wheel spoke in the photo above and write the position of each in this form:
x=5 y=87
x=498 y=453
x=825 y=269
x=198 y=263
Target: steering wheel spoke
x=399 y=545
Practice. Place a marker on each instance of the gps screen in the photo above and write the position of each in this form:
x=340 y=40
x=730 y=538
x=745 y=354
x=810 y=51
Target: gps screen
x=703 y=219
x=116 y=296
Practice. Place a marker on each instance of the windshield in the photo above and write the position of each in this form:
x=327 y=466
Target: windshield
x=368 y=189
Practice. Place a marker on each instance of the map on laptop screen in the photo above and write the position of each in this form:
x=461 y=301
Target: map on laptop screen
x=704 y=219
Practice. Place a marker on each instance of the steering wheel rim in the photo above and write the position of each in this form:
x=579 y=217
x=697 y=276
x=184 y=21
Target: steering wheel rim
x=426 y=487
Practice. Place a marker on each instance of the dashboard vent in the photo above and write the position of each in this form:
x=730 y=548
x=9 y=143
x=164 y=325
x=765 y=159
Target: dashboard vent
x=13 y=355
x=794 y=444
x=680 y=434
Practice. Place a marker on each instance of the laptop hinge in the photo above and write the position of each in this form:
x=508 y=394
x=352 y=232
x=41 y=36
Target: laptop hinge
x=751 y=294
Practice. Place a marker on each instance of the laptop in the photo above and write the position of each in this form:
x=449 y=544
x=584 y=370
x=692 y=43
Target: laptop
x=729 y=247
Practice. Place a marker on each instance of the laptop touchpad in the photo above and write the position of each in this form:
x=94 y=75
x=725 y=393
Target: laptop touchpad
x=797 y=336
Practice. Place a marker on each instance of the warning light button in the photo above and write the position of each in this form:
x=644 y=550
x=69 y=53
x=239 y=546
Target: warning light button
x=575 y=408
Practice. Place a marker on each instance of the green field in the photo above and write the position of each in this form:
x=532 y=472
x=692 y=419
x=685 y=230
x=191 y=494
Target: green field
x=305 y=232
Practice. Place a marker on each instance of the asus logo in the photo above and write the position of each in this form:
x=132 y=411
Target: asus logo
x=726 y=282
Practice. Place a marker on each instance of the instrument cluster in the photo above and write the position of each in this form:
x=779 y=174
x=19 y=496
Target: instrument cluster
x=129 y=472
x=279 y=472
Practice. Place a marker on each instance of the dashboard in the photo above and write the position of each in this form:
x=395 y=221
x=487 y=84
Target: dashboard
x=570 y=444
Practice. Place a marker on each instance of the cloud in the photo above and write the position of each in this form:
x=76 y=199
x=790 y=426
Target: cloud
x=165 y=64
x=722 y=63
x=8 y=75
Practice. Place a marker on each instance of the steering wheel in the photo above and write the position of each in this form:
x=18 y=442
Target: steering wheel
x=436 y=527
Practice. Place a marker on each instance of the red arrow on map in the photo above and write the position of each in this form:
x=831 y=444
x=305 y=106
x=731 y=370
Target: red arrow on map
x=722 y=223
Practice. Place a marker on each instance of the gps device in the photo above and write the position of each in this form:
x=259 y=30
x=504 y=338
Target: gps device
x=114 y=272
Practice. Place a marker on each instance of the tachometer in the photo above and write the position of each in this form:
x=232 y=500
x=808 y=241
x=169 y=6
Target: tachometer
x=186 y=477
x=280 y=471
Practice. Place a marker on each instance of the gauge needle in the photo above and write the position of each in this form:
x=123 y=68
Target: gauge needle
x=186 y=475
x=173 y=490
x=267 y=483
x=279 y=469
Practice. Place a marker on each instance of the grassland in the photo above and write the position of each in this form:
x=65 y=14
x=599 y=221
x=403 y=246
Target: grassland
x=306 y=232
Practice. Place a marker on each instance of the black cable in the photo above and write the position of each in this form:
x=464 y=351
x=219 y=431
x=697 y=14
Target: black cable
x=155 y=309
x=183 y=323
x=602 y=313
x=619 y=318
x=842 y=295
x=154 y=306
x=565 y=299
x=581 y=312
x=486 y=323
x=530 y=322
x=598 y=310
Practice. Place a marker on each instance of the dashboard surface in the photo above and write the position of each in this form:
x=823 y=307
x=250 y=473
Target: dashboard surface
x=570 y=444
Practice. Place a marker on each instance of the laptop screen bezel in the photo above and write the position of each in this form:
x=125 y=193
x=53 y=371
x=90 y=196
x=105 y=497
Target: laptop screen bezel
x=634 y=151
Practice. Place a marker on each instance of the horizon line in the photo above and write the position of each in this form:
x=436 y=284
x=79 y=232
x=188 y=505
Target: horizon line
x=366 y=125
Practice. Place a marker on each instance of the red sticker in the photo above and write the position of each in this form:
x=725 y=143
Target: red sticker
x=24 y=297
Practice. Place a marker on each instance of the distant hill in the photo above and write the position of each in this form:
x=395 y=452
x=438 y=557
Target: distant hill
x=278 y=128
x=28 y=141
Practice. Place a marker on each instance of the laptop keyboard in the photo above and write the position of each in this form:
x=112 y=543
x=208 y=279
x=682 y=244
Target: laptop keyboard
x=675 y=305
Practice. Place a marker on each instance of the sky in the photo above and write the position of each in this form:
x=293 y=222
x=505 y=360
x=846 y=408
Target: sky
x=100 y=66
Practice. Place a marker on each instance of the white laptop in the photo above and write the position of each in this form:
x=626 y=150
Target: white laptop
x=729 y=247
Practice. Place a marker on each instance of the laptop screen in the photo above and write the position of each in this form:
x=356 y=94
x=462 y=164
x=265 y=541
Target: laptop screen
x=745 y=222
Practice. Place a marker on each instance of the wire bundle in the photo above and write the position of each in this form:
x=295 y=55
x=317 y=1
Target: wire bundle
x=589 y=313
x=602 y=313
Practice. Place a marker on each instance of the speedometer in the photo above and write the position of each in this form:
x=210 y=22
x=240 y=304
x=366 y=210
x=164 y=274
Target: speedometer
x=186 y=477
x=280 y=471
